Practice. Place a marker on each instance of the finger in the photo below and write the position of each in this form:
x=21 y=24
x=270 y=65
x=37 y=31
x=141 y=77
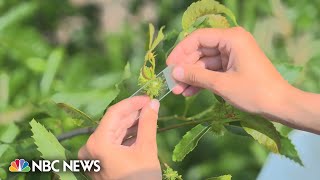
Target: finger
x=190 y=91
x=129 y=141
x=83 y=153
x=209 y=38
x=190 y=59
x=121 y=126
x=199 y=77
x=210 y=62
x=127 y=106
x=209 y=51
x=179 y=88
x=147 y=127
x=112 y=122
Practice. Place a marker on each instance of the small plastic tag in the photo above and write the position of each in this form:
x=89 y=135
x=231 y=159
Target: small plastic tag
x=169 y=84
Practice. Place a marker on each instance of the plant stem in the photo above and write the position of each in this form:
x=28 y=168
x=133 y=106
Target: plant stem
x=76 y=132
x=191 y=121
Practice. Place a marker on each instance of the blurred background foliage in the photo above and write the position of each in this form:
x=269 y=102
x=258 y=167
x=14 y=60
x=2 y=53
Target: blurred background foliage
x=75 y=52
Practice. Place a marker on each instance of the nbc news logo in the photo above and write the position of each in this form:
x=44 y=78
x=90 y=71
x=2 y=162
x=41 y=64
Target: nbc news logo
x=20 y=165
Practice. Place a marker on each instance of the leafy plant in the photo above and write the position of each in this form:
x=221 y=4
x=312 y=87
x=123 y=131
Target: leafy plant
x=34 y=69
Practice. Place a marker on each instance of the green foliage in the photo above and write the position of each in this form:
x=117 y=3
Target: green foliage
x=288 y=150
x=53 y=63
x=170 y=174
x=16 y=14
x=218 y=129
x=203 y=8
x=49 y=146
x=289 y=72
x=47 y=143
x=224 y=177
x=83 y=74
x=189 y=141
x=262 y=130
x=75 y=113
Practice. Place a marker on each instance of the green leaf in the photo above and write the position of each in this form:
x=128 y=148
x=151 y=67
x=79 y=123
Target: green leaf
x=288 y=150
x=189 y=141
x=49 y=146
x=158 y=39
x=4 y=91
x=151 y=34
x=220 y=99
x=47 y=143
x=53 y=63
x=3 y=174
x=91 y=102
x=8 y=133
x=261 y=130
x=23 y=42
x=289 y=72
x=203 y=8
x=224 y=177
x=75 y=113
x=16 y=14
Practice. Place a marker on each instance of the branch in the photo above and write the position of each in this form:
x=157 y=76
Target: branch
x=76 y=132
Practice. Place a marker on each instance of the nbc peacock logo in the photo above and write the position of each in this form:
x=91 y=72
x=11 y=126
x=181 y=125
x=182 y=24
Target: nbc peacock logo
x=19 y=165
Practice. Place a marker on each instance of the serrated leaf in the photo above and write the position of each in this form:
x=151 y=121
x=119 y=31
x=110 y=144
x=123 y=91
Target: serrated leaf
x=189 y=141
x=47 y=143
x=203 y=8
x=262 y=131
x=289 y=151
x=49 y=146
x=75 y=113
x=288 y=72
x=224 y=177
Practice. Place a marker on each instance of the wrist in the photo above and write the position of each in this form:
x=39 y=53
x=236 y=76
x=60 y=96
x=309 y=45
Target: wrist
x=278 y=105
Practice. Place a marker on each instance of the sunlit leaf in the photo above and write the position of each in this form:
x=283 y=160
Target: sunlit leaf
x=261 y=130
x=75 y=113
x=53 y=63
x=189 y=141
x=16 y=14
x=203 y=8
x=49 y=146
x=224 y=177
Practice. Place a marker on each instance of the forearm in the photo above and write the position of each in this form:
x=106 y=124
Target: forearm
x=297 y=109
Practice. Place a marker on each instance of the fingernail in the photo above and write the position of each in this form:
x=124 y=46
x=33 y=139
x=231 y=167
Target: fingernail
x=187 y=93
x=178 y=73
x=155 y=104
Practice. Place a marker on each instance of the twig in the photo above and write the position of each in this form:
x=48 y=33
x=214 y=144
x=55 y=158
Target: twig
x=76 y=132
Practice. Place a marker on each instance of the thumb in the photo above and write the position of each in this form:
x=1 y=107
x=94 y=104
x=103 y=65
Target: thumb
x=147 y=127
x=194 y=75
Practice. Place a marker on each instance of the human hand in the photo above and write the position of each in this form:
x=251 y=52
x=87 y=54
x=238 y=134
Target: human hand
x=229 y=63
x=135 y=158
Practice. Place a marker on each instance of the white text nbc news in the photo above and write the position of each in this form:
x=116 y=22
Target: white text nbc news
x=72 y=165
